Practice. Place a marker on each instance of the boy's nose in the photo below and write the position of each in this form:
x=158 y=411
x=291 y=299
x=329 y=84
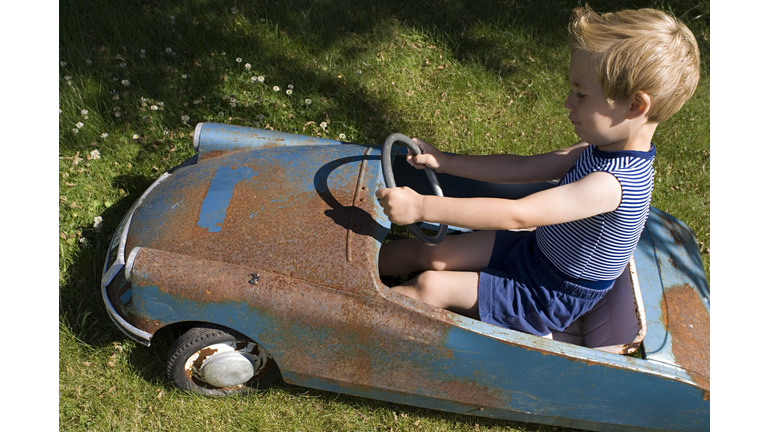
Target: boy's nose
x=568 y=103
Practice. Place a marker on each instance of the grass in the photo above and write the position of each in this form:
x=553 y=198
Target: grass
x=135 y=77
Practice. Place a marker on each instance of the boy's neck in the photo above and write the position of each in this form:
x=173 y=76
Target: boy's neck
x=638 y=141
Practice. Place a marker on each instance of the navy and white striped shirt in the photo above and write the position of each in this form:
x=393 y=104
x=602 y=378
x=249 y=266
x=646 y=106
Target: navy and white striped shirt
x=598 y=248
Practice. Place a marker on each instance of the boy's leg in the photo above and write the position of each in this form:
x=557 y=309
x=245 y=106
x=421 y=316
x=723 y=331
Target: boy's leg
x=452 y=290
x=465 y=252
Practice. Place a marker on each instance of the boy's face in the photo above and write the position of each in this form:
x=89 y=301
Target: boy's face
x=595 y=121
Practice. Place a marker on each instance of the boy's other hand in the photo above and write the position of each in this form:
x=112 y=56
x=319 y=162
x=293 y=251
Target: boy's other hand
x=429 y=157
x=402 y=205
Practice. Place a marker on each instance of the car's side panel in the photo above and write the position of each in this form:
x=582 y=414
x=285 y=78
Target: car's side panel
x=374 y=346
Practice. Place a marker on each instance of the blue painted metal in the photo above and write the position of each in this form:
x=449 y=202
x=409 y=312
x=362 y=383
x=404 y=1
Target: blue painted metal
x=216 y=138
x=672 y=278
x=305 y=220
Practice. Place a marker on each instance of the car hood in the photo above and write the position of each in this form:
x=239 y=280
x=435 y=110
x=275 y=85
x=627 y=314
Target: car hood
x=308 y=212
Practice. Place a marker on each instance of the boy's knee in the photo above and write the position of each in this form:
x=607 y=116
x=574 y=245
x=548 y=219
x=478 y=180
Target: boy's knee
x=428 y=283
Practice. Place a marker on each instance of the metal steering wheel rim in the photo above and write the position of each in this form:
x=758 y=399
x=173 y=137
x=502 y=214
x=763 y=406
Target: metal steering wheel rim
x=389 y=181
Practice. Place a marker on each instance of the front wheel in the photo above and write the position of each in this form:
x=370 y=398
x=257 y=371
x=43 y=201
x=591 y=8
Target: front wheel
x=214 y=361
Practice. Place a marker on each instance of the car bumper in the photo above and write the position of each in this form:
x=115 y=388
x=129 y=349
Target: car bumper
x=116 y=262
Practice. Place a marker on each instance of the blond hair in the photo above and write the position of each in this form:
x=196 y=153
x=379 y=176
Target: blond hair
x=639 y=50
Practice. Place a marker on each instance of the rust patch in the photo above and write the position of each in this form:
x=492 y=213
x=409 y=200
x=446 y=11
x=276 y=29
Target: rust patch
x=687 y=321
x=677 y=237
x=322 y=232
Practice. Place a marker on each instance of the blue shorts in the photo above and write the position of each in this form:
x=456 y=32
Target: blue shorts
x=521 y=291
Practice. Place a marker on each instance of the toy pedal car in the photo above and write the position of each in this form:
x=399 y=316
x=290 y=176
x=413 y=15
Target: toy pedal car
x=268 y=242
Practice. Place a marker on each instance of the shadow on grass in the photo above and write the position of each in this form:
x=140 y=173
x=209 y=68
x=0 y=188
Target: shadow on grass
x=113 y=35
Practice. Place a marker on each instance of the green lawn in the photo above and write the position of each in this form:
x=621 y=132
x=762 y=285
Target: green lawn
x=135 y=77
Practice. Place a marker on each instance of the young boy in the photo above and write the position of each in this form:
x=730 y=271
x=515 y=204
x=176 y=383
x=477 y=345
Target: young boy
x=629 y=71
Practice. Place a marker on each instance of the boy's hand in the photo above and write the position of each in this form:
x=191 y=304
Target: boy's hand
x=402 y=205
x=429 y=157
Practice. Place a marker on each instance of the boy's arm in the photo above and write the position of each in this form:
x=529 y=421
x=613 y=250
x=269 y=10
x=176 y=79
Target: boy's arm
x=502 y=168
x=594 y=194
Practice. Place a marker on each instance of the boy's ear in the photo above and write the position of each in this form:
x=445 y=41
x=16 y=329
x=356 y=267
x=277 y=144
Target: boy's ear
x=640 y=105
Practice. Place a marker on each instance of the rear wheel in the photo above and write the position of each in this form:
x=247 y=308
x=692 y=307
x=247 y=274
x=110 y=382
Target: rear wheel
x=215 y=361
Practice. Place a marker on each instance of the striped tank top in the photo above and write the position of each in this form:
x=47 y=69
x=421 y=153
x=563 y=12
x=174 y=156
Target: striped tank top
x=598 y=248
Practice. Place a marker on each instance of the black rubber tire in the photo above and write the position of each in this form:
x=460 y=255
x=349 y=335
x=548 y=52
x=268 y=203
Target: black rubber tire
x=197 y=339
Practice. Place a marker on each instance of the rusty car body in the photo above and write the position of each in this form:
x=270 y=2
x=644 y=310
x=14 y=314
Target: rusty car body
x=268 y=242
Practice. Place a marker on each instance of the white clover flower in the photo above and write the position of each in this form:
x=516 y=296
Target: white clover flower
x=98 y=223
x=153 y=107
x=276 y=88
x=289 y=92
x=261 y=78
x=185 y=118
x=75 y=130
x=342 y=136
x=84 y=112
x=104 y=135
x=290 y=86
x=247 y=66
x=115 y=96
x=79 y=124
x=323 y=125
x=168 y=50
x=239 y=60
x=95 y=153
x=308 y=101
x=254 y=79
x=125 y=82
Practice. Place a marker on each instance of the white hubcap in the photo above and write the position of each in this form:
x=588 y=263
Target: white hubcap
x=226 y=365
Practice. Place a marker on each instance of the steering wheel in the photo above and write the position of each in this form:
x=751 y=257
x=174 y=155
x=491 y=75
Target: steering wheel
x=389 y=180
